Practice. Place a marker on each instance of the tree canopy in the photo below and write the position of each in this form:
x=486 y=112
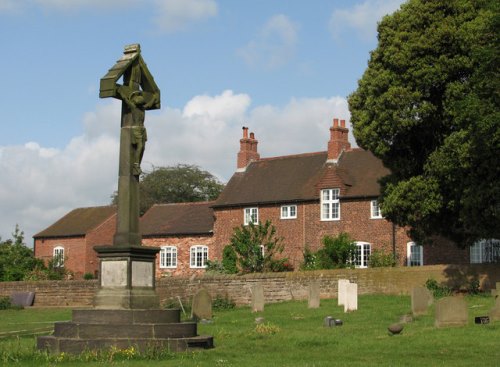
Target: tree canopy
x=16 y=260
x=176 y=184
x=428 y=106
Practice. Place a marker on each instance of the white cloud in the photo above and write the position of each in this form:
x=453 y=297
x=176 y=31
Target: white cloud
x=40 y=184
x=274 y=45
x=362 y=18
x=7 y=6
x=174 y=15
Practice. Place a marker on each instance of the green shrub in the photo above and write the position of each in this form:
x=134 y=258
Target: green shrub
x=229 y=260
x=437 y=290
x=223 y=303
x=380 y=259
x=310 y=260
x=5 y=303
x=474 y=287
x=88 y=276
x=337 y=252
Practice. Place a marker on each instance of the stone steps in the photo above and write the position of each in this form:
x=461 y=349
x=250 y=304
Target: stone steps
x=94 y=329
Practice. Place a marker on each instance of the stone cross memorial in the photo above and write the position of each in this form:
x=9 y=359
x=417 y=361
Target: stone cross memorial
x=126 y=307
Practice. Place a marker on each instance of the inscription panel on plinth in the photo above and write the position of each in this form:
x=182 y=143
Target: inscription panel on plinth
x=142 y=274
x=114 y=273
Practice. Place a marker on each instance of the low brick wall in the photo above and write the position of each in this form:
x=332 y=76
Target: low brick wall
x=277 y=286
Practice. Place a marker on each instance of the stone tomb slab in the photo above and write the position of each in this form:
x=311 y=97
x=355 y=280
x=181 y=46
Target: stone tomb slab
x=314 y=295
x=23 y=299
x=421 y=299
x=451 y=311
x=201 y=308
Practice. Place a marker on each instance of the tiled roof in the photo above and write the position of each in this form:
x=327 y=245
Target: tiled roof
x=298 y=178
x=78 y=222
x=178 y=219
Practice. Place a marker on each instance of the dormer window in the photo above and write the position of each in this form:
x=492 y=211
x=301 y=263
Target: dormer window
x=330 y=204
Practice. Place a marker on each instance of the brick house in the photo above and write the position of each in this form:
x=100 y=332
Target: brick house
x=308 y=196
x=72 y=238
x=183 y=232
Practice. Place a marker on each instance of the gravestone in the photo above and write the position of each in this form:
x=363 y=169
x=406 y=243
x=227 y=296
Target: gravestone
x=351 y=297
x=495 y=311
x=201 y=308
x=341 y=292
x=451 y=311
x=421 y=299
x=23 y=299
x=257 y=298
x=496 y=292
x=313 y=299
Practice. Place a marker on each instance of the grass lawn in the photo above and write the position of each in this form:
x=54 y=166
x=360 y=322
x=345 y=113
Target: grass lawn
x=293 y=335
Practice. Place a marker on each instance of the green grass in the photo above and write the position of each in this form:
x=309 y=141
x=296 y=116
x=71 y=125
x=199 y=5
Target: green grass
x=293 y=335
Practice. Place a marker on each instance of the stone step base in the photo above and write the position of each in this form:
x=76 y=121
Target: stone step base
x=57 y=345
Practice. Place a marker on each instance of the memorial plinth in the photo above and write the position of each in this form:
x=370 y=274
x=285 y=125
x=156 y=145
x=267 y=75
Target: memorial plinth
x=126 y=307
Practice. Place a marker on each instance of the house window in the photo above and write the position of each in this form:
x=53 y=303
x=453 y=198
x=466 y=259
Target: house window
x=414 y=254
x=330 y=204
x=375 y=210
x=58 y=257
x=168 y=257
x=198 y=257
x=485 y=251
x=362 y=256
x=289 y=212
x=251 y=215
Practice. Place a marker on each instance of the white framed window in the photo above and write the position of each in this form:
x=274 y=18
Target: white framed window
x=198 y=256
x=251 y=215
x=362 y=256
x=58 y=256
x=330 y=204
x=414 y=254
x=375 y=212
x=168 y=257
x=485 y=251
x=288 y=211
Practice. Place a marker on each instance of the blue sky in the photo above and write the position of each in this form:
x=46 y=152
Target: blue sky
x=283 y=67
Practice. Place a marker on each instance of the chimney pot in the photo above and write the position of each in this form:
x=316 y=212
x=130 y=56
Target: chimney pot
x=335 y=122
x=342 y=123
x=252 y=136
x=245 y=132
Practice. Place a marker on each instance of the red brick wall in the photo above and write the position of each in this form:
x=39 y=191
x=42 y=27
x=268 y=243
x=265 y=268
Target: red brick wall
x=100 y=236
x=183 y=244
x=308 y=229
x=74 y=252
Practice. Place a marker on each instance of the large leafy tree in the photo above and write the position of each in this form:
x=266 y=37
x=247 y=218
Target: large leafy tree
x=16 y=259
x=176 y=184
x=428 y=106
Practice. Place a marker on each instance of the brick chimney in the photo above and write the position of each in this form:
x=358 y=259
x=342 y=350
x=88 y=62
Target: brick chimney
x=338 y=140
x=248 y=150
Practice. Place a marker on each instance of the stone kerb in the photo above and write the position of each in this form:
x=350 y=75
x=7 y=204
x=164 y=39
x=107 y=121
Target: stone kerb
x=451 y=311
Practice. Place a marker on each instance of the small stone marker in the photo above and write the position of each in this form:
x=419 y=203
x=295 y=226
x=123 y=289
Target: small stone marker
x=23 y=299
x=257 y=298
x=451 y=311
x=351 y=298
x=201 y=308
x=313 y=300
x=328 y=321
x=421 y=299
x=495 y=311
x=341 y=293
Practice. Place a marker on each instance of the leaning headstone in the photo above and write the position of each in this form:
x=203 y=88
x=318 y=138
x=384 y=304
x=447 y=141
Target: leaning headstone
x=313 y=300
x=451 y=311
x=342 y=284
x=495 y=311
x=421 y=299
x=351 y=297
x=201 y=309
x=257 y=298
x=328 y=321
x=23 y=299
